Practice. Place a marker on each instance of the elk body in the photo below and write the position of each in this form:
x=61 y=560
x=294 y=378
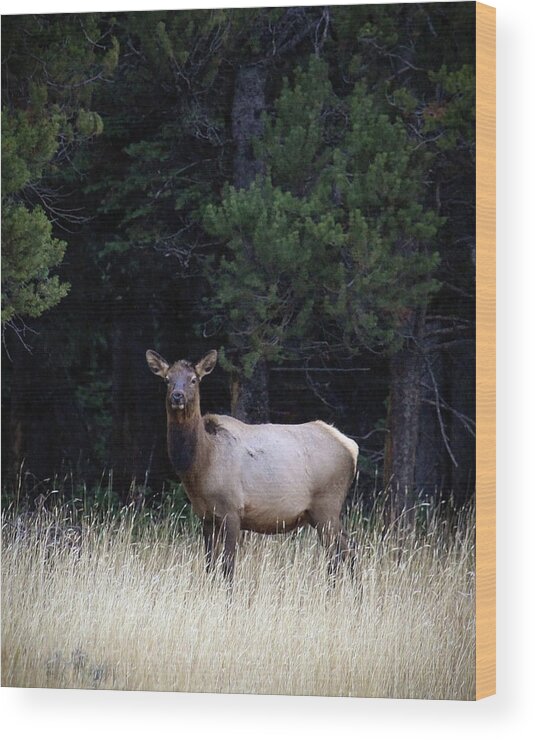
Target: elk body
x=267 y=478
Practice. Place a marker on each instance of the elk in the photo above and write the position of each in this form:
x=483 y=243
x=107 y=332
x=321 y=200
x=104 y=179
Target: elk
x=266 y=478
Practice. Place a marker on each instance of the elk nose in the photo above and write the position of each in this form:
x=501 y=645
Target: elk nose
x=178 y=398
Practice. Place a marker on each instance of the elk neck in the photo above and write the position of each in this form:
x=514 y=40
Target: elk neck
x=185 y=438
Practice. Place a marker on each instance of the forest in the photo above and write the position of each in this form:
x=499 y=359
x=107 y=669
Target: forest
x=294 y=187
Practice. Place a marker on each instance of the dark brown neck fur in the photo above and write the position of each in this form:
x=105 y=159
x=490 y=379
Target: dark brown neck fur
x=183 y=437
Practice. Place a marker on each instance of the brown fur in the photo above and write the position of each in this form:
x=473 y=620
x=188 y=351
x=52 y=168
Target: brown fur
x=266 y=478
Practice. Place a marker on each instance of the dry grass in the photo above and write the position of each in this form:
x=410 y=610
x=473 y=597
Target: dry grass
x=132 y=609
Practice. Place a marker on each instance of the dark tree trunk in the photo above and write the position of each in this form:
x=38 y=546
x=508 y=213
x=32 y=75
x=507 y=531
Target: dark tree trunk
x=431 y=471
x=405 y=375
x=247 y=108
x=403 y=421
x=461 y=398
x=249 y=395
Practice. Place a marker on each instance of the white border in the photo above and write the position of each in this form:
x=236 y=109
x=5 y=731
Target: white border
x=84 y=714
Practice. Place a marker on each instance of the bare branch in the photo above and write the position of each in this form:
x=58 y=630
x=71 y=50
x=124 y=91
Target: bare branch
x=315 y=390
x=467 y=422
x=428 y=18
x=93 y=43
x=19 y=327
x=445 y=330
x=318 y=43
x=458 y=290
x=438 y=409
x=390 y=54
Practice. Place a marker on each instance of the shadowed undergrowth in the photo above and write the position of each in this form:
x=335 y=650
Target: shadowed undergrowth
x=122 y=602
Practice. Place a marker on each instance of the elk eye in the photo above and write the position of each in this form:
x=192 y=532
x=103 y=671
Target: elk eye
x=166 y=380
x=194 y=380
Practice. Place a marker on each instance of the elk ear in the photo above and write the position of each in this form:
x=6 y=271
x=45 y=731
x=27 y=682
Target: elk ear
x=207 y=364
x=156 y=362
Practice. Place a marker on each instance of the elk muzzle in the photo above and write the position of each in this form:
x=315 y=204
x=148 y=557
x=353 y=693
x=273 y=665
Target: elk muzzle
x=178 y=400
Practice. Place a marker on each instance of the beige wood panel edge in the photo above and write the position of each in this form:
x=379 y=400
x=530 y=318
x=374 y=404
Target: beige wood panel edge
x=485 y=350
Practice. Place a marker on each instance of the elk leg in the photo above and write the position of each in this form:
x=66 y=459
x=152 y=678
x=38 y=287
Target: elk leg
x=330 y=537
x=210 y=530
x=336 y=541
x=231 y=531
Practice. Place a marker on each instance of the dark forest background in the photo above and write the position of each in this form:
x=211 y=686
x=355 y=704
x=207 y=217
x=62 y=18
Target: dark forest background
x=294 y=187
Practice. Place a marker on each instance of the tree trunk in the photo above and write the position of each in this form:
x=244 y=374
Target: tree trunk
x=431 y=473
x=247 y=108
x=403 y=425
x=461 y=397
x=249 y=395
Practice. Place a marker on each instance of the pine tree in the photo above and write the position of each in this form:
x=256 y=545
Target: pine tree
x=51 y=66
x=335 y=239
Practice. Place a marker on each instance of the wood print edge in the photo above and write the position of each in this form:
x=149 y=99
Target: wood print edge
x=485 y=351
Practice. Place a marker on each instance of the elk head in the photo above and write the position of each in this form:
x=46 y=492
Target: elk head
x=182 y=379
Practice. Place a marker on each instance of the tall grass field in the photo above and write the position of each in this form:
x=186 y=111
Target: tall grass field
x=122 y=602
